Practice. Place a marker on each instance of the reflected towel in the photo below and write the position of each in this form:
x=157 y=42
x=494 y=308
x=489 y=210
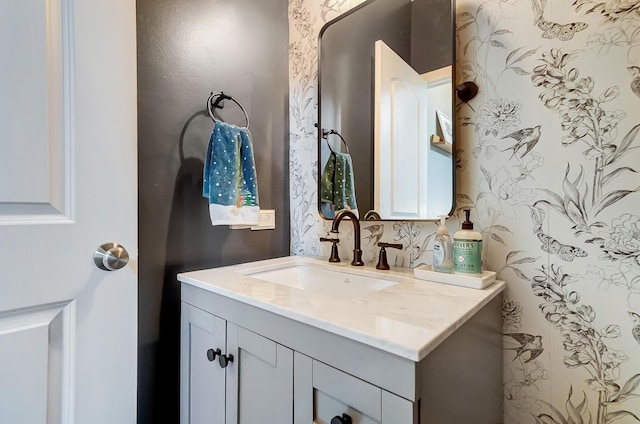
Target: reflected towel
x=337 y=183
x=230 y=181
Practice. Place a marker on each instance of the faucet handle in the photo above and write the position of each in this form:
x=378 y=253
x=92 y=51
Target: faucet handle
x=382 y=259
x=391 y=245
x=334 y=248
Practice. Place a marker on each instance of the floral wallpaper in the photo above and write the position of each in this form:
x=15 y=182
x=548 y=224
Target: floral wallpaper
x=547 y=162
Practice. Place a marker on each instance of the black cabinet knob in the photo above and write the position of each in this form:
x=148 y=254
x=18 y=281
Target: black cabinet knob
x=344 y=419
x=224 y=360
x=211 y=354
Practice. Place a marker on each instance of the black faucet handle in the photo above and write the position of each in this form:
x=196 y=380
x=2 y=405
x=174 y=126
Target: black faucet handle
x=391 y=245
x=382 y=258
x=331 y=239
x=334 y=248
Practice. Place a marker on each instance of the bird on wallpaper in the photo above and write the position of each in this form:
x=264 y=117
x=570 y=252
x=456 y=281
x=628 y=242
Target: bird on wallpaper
x=528 y=343
x=376 y=232
x=635 y=84
x=636 y=326
x=525 y=136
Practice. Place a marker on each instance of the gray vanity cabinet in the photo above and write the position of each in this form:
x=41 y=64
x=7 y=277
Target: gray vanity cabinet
x=253 y=383
x=288 y=372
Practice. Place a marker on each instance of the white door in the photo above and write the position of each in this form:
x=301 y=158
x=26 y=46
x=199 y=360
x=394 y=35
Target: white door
x=68 y=182
x=400 y=137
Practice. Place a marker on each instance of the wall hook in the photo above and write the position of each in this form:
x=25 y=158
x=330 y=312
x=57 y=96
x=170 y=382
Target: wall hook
x=467 y=90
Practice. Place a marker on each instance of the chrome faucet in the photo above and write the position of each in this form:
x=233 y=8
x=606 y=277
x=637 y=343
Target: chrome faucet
x=357 y=252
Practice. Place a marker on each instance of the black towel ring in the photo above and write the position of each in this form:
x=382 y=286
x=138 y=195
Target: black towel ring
x=326 y=134
x=215 y=102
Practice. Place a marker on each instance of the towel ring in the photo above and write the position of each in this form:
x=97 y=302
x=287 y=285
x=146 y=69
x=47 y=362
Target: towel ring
x=219 y=98
x=326 y=134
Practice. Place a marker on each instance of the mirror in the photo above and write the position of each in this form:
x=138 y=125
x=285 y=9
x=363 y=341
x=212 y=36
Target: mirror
x=386 y=110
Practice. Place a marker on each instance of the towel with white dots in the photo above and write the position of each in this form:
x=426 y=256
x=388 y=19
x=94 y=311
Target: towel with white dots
x=230 y=180
x=338 y=189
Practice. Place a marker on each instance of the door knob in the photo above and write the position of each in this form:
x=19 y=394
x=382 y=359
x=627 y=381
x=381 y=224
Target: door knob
x=111 y=257
x=344 y=419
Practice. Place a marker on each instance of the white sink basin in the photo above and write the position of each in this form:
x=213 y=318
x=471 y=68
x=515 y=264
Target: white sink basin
x=328 y=282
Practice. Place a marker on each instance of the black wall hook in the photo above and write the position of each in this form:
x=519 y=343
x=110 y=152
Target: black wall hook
x=218 y=103
x=467 y=90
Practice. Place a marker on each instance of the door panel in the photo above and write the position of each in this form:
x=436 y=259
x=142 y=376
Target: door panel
x=33 y=112
x=260 y=379
x=203 y=381
x=37 y=345
x=67 y=185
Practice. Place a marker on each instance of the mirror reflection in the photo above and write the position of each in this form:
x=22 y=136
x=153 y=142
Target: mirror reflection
x=385 y=101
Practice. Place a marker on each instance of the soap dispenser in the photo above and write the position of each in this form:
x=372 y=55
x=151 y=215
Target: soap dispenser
x=443 y=248
x=467 y=249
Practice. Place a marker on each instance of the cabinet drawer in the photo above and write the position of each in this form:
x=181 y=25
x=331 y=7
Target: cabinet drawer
x=323 y=392
x=336 y=392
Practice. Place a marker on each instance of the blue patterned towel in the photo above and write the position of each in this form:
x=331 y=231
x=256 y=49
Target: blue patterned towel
x=230 y=181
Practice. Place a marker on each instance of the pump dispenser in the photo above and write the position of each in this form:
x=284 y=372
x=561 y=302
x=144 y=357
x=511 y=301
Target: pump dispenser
x=443 y=248
x=467 y=249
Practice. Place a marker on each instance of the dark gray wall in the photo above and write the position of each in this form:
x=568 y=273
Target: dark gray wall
x=432 y=34
x=186 y=49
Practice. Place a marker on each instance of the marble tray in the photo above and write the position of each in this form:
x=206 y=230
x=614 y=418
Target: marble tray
x=426 y=272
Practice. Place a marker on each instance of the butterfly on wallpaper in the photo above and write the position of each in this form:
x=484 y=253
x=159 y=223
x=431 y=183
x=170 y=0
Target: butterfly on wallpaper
x=562 y=32
x=564 y=251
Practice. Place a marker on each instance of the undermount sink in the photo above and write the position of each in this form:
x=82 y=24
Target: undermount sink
x=328 y=282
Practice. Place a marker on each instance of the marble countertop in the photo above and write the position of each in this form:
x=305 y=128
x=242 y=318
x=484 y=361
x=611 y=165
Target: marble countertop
x=408 y=319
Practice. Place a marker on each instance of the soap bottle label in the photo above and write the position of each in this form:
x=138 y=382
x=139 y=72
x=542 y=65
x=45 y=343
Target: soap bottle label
x=468 y=259
x=438 y=255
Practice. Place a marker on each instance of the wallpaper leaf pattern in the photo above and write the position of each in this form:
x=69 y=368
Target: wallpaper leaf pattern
x=547 y=160
x=586 y=121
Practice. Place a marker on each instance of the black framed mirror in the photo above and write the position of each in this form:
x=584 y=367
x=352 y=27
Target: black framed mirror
x=386 y=110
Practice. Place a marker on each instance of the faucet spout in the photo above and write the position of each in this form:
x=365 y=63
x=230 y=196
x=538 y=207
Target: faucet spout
x=357 y=251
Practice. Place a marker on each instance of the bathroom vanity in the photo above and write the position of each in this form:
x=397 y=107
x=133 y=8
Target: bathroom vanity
x=298 y=340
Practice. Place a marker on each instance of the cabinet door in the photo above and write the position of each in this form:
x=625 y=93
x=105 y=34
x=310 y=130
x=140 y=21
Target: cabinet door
x=259 y=380
x=202 y=382
x=323 y=392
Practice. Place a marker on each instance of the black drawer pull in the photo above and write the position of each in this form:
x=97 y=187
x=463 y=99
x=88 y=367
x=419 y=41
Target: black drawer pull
x=344 y=419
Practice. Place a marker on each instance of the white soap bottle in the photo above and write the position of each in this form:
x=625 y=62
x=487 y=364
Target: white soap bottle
x=443 y=248
x=467 y=249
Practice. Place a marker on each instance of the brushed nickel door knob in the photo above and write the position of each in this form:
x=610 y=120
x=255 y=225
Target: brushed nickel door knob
x=111 y=257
